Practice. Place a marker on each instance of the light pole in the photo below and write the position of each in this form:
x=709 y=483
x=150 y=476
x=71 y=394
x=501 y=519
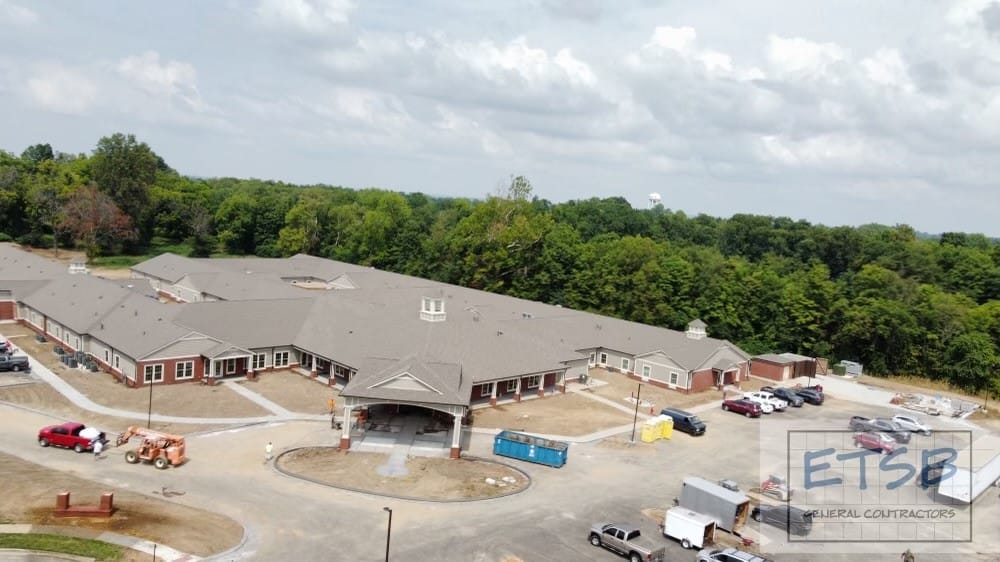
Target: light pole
x=388 y=532
x=149 y=414
x=636 y=417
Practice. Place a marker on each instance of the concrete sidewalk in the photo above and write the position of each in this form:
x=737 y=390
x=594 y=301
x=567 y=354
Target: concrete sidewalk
x=163 y=552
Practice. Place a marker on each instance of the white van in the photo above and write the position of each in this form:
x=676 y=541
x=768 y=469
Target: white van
x=693 y=530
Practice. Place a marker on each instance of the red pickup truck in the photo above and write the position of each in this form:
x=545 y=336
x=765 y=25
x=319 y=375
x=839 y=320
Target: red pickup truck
x=71 y=435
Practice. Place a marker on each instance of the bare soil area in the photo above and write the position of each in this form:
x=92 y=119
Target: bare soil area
x=620 y=388
x=189 y=399
x=295 y=392
x=32 y=495
x=428 y=478
x=556 y=414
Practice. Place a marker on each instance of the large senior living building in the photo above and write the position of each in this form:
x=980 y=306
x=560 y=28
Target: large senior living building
x=386 y=338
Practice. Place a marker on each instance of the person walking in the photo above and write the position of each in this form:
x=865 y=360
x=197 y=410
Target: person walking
x=268 y=451
x=907 y=556
x=333 y=405
x=98 y=447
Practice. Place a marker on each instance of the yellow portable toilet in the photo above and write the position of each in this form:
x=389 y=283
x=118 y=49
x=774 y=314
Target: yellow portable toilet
x=666 y=425
x=650 y=431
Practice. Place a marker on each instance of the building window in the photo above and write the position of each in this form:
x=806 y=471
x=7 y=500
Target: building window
x=625 y=364
x=258 y=361
x=591 y=358
x=534 y=381
x=153 y=373
x=673 y=378
x=604 y=359
x=512 y=386
x=184 y=370
x=118 y=361
x=280 y=358
x=107 y=356
x=646 y=371
x=230 y=366
x=486 y=389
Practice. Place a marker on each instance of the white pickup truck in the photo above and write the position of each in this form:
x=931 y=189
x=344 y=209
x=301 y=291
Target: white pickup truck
x=911 y=424
x=766 y=398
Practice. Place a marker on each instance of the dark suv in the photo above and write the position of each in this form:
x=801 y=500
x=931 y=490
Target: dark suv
x=795 y=520
x=786 y=394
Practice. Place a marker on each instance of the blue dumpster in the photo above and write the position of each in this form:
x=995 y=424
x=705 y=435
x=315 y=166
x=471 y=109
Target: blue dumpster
x=530 y=448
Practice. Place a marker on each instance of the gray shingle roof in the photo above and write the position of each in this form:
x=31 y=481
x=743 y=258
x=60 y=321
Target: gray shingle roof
x=78 y=301
x=172 y=267
x=774 y=358
x=248 y=324
x=412 y=378
x=138 y=325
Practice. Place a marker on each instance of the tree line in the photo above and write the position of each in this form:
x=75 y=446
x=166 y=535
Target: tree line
x=899 y=302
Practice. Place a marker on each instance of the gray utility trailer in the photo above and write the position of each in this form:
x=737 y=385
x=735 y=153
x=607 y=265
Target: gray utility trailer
x=729 y=509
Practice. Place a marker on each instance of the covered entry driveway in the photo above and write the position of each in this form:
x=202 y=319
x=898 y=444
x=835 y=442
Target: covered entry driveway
x=412 y=402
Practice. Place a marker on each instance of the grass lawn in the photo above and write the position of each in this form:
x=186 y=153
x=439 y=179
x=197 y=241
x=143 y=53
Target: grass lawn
x=66 y=545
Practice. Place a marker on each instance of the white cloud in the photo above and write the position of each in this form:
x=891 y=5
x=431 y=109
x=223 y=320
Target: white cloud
x=61 y=89
x=311 y=16
x=802 y=58
x=171 y=79
x=887 y=68
x=461 y=127
x=14 y=14
x=669 y=42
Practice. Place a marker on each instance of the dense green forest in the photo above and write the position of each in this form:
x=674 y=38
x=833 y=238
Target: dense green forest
x=897 y=302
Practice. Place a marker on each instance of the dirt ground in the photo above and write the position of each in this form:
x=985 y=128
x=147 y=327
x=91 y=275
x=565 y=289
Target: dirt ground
x=620 y=387
x=187 y=529
x=295 y=392
x=556 y=414
x=68 y=256
x=428 y=478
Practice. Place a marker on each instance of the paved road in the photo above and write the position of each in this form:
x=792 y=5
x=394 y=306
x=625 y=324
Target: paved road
x=287 y=519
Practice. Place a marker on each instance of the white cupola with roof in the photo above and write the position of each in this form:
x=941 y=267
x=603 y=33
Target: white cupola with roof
x=696 y=330
x=432 y=309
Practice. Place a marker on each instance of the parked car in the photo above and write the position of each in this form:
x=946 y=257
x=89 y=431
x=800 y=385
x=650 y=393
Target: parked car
x=874 y=441
x=861 y=423
x=811 y=396
x=70 y=435
x=742 y=406
x=766 y=399
x=729 y=555
x=911 y=424
x=685 y=421
x=793 y=519
x=786 y=394
x=626 y=540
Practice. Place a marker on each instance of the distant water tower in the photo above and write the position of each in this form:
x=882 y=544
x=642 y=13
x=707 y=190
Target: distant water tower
x=654 y=200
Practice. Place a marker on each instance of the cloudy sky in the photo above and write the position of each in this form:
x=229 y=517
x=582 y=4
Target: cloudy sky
x=845 y=112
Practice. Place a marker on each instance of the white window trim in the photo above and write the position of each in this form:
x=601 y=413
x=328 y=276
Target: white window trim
x=146 y=378
x=178 y=375
x=534 y=381
x=118 y=362
x=263 y=361
x=603 y=358
x=674 y=377
x=230 y=365
x=107 y=356
x=626 y=364
x=280 y=358
x=512 y=386
x=646 y=371
x=486 y=389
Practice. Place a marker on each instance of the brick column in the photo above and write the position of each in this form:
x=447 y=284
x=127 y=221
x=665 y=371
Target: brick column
x=517 y=392
x=493 y=395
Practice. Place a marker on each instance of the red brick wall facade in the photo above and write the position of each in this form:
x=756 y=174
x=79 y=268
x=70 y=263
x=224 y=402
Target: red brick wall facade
x=170 y=369
x=7 y=310
x=702 y=380
x=767 y=370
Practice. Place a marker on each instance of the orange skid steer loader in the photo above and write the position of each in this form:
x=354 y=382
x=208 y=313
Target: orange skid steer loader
x=161 y=449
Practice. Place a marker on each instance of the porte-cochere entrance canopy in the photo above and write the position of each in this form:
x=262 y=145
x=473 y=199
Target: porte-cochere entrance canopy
x=413 y=380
